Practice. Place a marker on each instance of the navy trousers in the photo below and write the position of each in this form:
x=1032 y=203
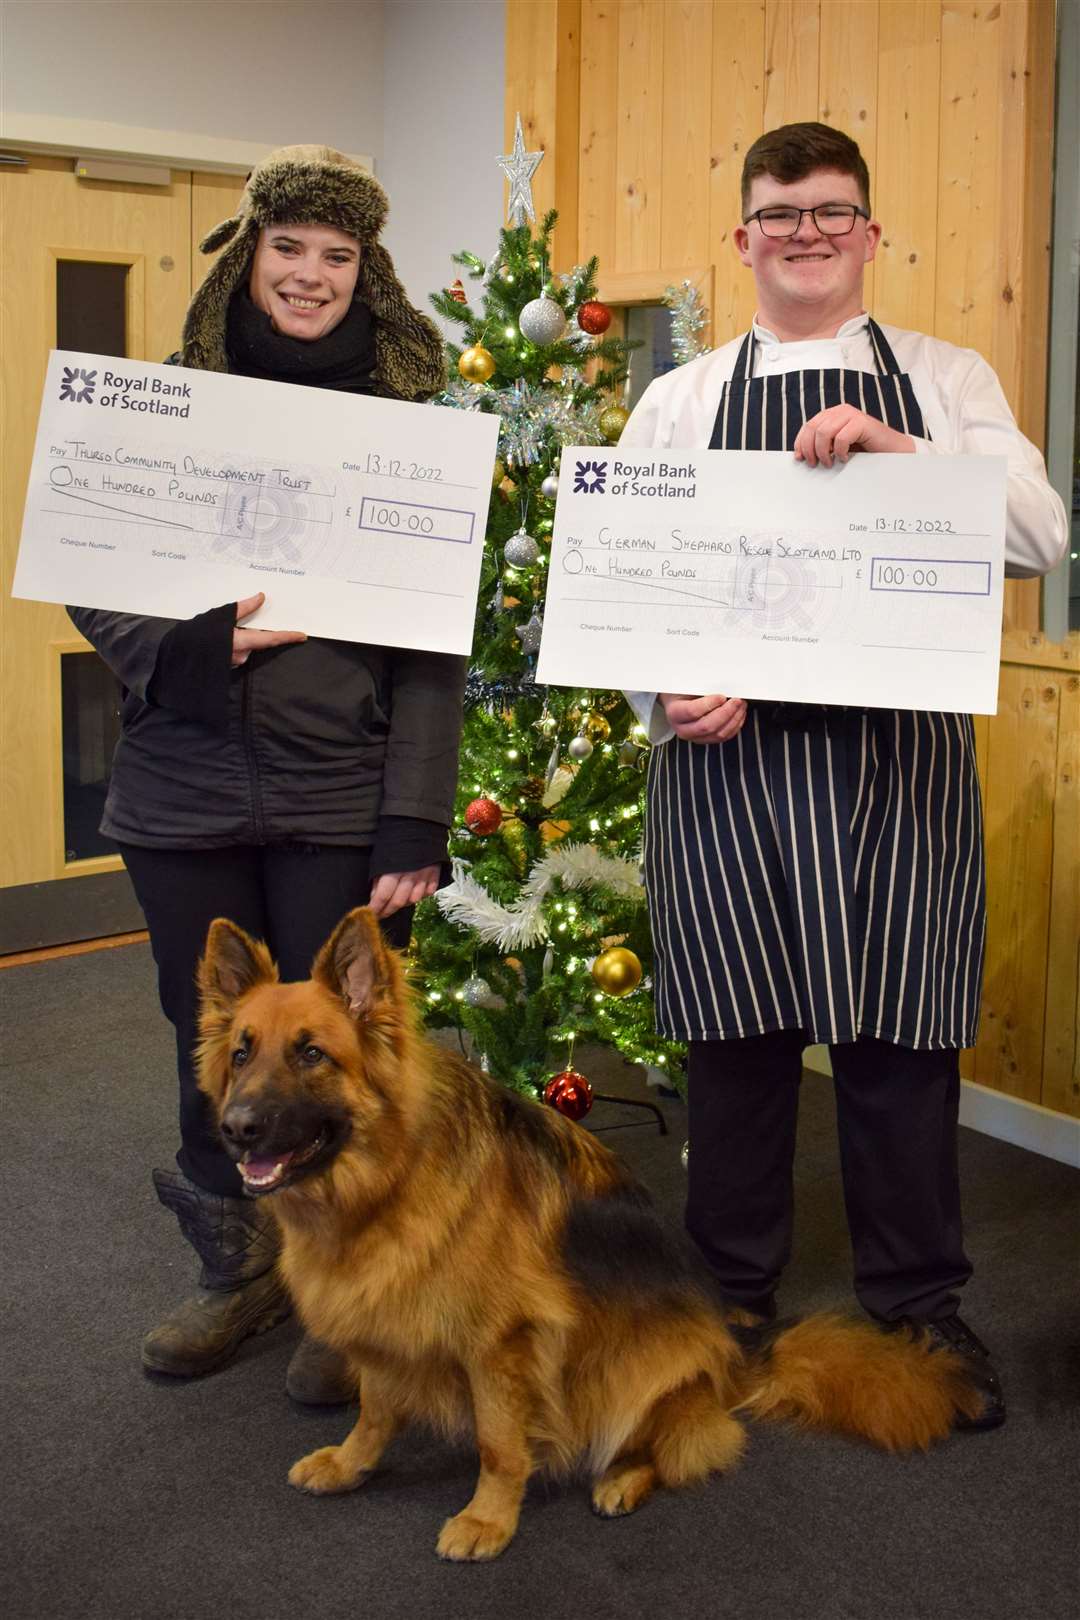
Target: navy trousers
x=897 y=1112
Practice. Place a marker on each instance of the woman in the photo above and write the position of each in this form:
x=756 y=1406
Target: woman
x=262 y=775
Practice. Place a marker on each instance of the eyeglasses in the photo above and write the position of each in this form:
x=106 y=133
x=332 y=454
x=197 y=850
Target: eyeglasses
x=831 y=219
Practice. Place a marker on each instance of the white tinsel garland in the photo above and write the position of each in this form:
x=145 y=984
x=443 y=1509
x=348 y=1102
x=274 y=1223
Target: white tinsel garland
x=578 y=866
x=689 y=320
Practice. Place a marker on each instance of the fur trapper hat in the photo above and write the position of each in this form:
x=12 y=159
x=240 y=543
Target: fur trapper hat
x=314 y=185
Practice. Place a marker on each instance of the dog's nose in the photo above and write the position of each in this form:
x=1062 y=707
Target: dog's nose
x=244 y=1123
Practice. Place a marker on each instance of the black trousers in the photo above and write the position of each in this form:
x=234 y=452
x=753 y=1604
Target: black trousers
x=897 y=1113
x=290 y=897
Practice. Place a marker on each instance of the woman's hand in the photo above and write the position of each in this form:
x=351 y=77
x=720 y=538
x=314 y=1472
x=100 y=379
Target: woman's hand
x=393 y=890
x=704 y=719
x=245 y=642
x=832 y=435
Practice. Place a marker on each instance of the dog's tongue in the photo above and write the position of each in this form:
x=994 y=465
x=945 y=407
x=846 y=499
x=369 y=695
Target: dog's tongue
x=259 y=1168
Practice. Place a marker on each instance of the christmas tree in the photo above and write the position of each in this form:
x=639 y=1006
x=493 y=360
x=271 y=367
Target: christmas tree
x=542 y=940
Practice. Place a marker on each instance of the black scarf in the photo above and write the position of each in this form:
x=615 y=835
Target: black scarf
x=343 y=359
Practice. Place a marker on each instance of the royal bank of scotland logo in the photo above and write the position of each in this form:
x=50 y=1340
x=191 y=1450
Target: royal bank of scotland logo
x=590 y=478
x=78 y=386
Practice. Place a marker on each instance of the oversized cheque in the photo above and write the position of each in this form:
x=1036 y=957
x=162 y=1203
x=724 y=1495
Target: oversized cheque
x=166 y=491
x=876 y=583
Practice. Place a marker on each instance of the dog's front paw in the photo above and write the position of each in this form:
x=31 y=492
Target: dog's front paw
x=323 y=1471
x=467 y=1536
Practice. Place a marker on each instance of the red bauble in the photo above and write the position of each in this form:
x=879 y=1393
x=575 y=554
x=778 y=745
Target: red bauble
x=594 y=317
x=569 y=1093
x=483 y=816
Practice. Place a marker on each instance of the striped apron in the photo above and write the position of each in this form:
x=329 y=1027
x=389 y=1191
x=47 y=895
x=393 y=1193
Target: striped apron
x=823 y=870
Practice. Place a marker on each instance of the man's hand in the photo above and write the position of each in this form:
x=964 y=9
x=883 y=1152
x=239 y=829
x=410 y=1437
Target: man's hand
x=245 y=642
x=394 y=890
x=704 y=719
x=833 y=434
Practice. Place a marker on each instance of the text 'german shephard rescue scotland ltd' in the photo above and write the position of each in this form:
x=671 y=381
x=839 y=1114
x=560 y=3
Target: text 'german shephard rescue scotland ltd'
x=489 y=1269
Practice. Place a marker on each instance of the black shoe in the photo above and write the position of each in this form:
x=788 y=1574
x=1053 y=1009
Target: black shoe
x=952 y=1333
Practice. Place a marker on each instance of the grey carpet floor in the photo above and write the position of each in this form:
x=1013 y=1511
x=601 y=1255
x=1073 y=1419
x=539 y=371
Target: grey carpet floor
x=147 y=1500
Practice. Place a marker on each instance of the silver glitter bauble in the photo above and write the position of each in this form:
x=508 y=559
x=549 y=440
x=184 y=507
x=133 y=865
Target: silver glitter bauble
x=529 y=634
x=685 y=1155
x=550 y=486
x=521 y=550
x=476 y=992
x=542 y=322
x=579 y=748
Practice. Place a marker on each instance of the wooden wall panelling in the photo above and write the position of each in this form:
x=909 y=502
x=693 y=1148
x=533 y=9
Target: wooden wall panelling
x=1019 y=808
x=967 y=177
x=1020 y=293
x=1061 y=1051
x=684 y=209
x=791 y=61
x=847 y=85
x=909 y=76
x=530 y=68
x=598 y=123
x=639 y=144
x=1037 y=78
x=543 y=67
x=738 y=60
x=1020 y=607
x=567 y=154
x=1006 y=283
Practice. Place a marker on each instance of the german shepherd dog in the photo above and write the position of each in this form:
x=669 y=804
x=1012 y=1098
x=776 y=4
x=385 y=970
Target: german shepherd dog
x=486 y=1266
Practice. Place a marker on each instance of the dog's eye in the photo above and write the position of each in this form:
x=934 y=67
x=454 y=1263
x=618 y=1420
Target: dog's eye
x=312 y=1054
x=240 y=1057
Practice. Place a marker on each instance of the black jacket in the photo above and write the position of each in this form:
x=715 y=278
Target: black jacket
x=323 y=742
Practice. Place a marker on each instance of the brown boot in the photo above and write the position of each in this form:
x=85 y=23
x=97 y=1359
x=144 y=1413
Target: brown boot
x=206 y=1331
x=319 y=1376
x=241 y=1294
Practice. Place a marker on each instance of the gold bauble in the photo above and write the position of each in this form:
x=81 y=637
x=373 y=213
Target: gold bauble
x=552 y=831
x=498 y=472
x=613 y=418
x=596 y=728
x=617 y=971
x=477 y=364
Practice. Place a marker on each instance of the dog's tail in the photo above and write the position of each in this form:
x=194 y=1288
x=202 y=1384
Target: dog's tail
x=848 y=1377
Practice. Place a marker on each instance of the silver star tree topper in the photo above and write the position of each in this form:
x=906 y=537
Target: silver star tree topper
x=519 y=167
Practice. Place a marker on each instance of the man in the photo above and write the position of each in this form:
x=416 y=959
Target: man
x=815 y=874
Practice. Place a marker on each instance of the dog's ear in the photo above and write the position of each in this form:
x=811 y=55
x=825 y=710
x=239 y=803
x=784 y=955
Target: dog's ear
x=232 y=963
x=356 y=964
